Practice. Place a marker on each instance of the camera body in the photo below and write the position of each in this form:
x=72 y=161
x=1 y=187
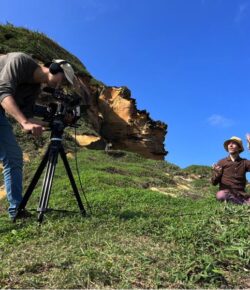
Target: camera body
x=61 y=108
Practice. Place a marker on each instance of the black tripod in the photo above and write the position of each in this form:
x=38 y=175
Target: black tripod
x=50 y=159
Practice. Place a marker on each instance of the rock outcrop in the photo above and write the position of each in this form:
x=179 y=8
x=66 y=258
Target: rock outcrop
x=126 y=127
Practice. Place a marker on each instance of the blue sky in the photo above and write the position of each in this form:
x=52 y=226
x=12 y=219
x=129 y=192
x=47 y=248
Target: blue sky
x=187 y=62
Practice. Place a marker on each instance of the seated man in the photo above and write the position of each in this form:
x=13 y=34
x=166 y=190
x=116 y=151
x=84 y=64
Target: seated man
x=230 y=173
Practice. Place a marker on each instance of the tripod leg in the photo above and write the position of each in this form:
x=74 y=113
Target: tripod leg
x=72 y=181
x=33 y=183
x=47 y=184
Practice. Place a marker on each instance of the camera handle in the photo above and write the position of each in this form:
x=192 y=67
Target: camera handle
x=50 y=159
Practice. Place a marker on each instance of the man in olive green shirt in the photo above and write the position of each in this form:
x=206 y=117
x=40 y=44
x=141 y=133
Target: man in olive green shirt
x=20 y=80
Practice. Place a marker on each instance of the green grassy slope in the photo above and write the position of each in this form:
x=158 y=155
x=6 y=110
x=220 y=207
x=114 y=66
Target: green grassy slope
x=179 y=237
x=40 y=46
x=37 y=44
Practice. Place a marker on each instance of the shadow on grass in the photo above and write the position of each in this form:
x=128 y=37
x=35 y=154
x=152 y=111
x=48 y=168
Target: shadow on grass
x=117 y=212
x=127 y=215
x=8 y=225
x=62 y=213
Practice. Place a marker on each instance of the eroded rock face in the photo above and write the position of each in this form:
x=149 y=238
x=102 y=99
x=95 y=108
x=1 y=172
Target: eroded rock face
x=127 y=128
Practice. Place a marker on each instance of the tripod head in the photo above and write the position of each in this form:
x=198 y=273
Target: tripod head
x=62 y=109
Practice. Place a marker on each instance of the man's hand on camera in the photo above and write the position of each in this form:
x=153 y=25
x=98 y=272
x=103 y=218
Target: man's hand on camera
x=35 y=129
x=11 y=108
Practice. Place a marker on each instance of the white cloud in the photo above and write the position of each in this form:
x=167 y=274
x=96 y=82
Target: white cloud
x=220 y=121
x=241 y=12
x=92 y=9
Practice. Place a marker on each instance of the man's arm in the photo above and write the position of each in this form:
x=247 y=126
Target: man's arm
x=216 y=174
x=10 y=106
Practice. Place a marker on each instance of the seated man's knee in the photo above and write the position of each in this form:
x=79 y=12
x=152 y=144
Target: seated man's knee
x=222 y=195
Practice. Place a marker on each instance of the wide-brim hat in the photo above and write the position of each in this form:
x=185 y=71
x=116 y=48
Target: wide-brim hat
x=236 y=140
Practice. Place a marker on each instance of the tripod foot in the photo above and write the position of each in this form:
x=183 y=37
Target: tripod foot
x=40 y=217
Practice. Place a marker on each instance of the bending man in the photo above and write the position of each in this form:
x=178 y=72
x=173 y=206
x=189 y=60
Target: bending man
x=20 y=80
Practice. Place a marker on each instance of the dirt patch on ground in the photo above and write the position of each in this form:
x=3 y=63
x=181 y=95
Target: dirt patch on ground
x=114 y=170
x=246 y=283
x=2 y=196
x=166 y=191
x=2 y=192
x=183 y=186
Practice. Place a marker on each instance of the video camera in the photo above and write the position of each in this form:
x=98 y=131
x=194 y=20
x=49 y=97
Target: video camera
x=59 y=107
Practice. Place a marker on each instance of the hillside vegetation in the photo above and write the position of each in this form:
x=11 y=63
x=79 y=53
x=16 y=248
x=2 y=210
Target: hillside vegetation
x=151 y=225
x=37 y=44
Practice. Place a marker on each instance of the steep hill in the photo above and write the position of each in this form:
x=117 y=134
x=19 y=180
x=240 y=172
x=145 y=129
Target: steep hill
x=112 y=117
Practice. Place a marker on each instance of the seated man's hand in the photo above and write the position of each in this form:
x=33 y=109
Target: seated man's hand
x=248 y=140
x=217 y=168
